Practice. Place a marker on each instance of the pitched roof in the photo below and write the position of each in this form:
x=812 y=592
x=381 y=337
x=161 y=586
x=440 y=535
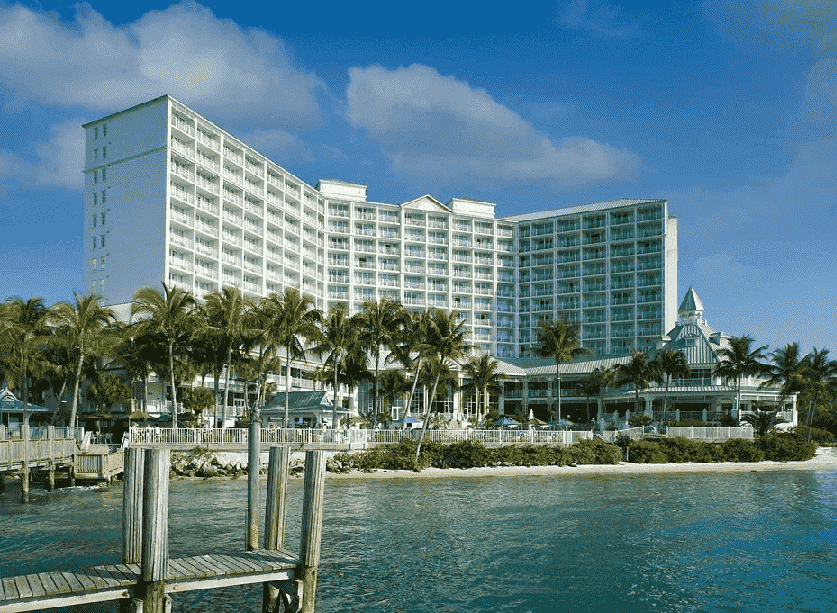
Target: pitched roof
x=691 y=302
x=301 y=400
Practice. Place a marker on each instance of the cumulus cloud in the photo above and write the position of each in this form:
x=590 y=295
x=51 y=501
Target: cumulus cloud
x=56 y=162
x=431 y=125
x=210 y=63
x=600 y=17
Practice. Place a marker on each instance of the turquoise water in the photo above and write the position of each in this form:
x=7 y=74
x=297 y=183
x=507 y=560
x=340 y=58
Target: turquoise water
x=753 y=541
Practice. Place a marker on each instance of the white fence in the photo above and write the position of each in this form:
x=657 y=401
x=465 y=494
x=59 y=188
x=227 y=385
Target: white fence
x=710 y=434
x=238 y=437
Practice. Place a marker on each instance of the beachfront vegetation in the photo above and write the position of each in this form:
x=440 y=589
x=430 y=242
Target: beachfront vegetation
x=776 y=447
x=470 y=454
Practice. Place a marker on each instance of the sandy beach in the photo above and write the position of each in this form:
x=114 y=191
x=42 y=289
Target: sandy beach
x=818 y=462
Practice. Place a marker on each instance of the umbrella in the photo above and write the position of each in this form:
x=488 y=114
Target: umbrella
x=534 y=421
x=505 y=421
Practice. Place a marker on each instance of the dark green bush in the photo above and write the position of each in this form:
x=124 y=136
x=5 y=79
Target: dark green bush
x=593 y=451
x=697 y=423
x=787 y=447
x=465 y=454
x=682 y=449
x=818 y=435
x=646 y=452
x=740 y=450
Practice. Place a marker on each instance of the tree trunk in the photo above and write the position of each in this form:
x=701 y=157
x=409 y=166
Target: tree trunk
x=335 y=421
x=426 y=418
x=287 y=382
x=227 y=388
x=413 y=388
x=58 y=402
x=75 y=390
x=173 y=388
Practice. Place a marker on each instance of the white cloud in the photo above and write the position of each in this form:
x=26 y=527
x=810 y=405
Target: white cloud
x=435 y=127
x=184 y=50
x=278 y=144
x=57 y=161
x=600 y=17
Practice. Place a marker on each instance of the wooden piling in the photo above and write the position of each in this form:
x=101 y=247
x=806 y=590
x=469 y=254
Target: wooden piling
x=51 y=472
x=253 y=485
x=312 y=526
x=274 y=519
x=155 y=526
x=132 y=482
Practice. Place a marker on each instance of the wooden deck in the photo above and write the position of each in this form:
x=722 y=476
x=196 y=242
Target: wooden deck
x=117 y=581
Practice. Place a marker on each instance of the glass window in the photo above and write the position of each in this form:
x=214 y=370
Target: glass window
x=104 y=152
x=94 y=242
x=96 y=133
x=104 y=130
x=96 y=154
x=103 y=241
x=103 y=219
x=103 y=196
x=95 y=176
x=95 y=198
x=94 y=220
x=102 y=265
x=93 y=263
x=104 y=174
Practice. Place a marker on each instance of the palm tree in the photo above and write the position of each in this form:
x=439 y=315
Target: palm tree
x=482 y=378
x=763 y=421
x=590 y=386
x=737 y=361
x=410 y=341
x=297 y=319
x=636 y=372
x=786 y=371
x=169 y=317
x=668 y=364
x=338 y=339
x=82 y=327
x=136 y=355
x=558 y=340
x=819 y=373
x=25 y=331
x=606 y=377
x=227 y=315
x=445 y=341
x=394 y=385
x=378 y=325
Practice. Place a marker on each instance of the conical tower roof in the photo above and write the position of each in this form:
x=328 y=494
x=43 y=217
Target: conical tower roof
x=691 y=303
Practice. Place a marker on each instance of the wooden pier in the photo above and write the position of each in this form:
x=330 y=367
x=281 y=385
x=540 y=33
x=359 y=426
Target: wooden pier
x=147 y=577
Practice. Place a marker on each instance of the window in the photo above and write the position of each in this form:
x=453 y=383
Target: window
x=103 y=241
x=104 y=130
x=93 y=286
x=95 y=176
x=104 y=174
x=96 y=154
x=102 y=265
x=96 y=133
x=94 y=242
x=95 y=198
x=102 y=285
x=103 y=196
x=103 y=218
x=104 y=152
x=94 y=220
x=93 y=263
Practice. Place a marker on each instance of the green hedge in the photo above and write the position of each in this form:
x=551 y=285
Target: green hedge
x=469 y=454
x=776 y=447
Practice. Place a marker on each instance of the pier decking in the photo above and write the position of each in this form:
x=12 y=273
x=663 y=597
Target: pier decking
x=117 y=581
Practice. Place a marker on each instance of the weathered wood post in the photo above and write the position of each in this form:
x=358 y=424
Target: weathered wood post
x=312 y=526
x=155 y=529
x=253 y=443
x=24 y=468
x=274 y=518
x=51 y=466
x=132 y=482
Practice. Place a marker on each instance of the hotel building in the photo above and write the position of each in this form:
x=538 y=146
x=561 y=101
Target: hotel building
x=170 y=196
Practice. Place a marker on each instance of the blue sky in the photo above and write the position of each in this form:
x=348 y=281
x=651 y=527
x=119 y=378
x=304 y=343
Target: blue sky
x=727 y=109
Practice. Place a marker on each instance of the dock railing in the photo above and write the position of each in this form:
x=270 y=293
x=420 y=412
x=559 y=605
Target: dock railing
x=710 y=433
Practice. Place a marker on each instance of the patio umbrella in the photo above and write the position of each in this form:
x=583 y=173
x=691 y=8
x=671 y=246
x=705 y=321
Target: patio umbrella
x=506 y=422
x=534 y=421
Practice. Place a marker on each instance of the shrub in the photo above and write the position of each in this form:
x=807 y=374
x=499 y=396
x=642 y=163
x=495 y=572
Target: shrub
x=818 y=435
x=740 y=450
x=593 y=451
x=787 y=448
x=682 y=449
x=640 y=420
x=465 y=454
x=646 y=452
x=697 y=423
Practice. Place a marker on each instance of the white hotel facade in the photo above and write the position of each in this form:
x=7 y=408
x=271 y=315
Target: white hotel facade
x=170 y=196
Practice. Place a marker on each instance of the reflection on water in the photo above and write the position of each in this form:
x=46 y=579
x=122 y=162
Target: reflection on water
x=679 y=542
